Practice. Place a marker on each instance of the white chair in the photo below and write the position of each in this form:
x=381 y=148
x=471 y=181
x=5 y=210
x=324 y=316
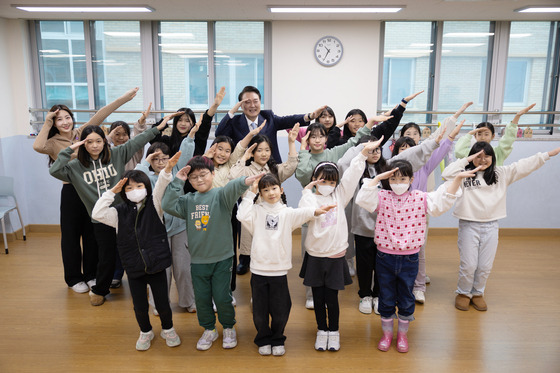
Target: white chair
x=7 y=191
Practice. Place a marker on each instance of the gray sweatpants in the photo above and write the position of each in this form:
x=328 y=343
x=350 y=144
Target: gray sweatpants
x=478 y=243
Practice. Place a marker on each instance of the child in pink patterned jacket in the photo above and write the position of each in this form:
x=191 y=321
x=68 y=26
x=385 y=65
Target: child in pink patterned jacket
x=399 y=235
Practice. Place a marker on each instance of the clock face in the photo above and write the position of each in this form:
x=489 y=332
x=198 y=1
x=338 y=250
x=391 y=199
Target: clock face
x=328 y=51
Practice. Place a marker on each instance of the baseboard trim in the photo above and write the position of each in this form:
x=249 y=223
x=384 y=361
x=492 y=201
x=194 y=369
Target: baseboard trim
x=506 y=232
x=511 y=232
x=33 y=228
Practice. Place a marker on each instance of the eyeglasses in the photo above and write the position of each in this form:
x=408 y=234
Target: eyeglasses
x=161 y=160
x=198 y=177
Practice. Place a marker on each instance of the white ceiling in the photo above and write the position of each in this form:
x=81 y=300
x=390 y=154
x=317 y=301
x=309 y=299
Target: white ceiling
x=257 y=10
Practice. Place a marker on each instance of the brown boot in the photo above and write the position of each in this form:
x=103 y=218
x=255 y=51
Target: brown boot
x=462 y=302
x=95 y=299
x=479 y=303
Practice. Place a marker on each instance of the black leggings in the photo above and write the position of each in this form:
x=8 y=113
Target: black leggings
x=138 y=290
x=325 y=296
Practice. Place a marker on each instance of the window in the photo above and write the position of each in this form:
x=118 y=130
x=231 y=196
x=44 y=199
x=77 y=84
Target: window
x=117 y=64
x=183 y=53
x=464 y=63
x=239 y=58
x=62 y=65
x=406 y=65
x=529 y=65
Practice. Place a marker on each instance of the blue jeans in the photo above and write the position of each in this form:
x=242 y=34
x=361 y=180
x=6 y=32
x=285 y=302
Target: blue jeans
x=396 y=274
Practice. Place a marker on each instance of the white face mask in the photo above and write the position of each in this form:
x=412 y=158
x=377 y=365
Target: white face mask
x=137 y=195
x=399 y=188
x=325 y=190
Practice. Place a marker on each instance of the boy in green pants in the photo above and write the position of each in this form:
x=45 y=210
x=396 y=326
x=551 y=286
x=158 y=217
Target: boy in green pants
x=207 y=213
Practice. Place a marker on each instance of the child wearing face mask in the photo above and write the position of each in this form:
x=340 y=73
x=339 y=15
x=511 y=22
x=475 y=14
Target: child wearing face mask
x=324 y=267
x=478 y=210
x=142 y=246
x=256 y=160
x=399 y=234
x=485 y=132
x=271 y=222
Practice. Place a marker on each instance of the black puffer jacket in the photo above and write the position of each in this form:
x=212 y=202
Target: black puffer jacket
x=142 y=239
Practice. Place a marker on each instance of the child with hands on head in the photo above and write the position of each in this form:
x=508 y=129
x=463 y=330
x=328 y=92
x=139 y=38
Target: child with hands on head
x=143 y=247
x=207 y=213
x=482 y=204
x=399 y=234
x=256 y=160
x=271 y=222
x=324 y=267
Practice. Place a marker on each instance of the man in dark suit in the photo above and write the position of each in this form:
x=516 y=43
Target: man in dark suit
x=238 y=126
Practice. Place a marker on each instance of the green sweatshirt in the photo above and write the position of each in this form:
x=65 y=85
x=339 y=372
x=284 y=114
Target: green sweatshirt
x=502 y=151
x=208 y=218
x=91 y=182
x=307 y=161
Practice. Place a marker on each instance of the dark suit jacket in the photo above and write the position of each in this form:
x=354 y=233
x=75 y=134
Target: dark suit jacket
x=237 y=127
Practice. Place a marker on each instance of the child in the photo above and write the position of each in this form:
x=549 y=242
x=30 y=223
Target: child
x=185 y=120
x=207 y=213
x=157 y=158
x=485 y=132
x=76 y=227
x=324 y=268
x=316 y=137
x=256 y=160
x=143 y=247
x=96 y=168
x=362 y=222
x=410 y=135
x=483 y=203
x=271 y=223
x=399 y=234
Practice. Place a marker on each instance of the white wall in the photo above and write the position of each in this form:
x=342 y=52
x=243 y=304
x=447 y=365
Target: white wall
x=300 y=84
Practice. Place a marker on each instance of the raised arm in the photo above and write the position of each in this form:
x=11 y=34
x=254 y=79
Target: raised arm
x=41 y=145
x=102 y=211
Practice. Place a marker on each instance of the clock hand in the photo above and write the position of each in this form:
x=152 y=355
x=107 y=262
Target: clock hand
x=328 y=51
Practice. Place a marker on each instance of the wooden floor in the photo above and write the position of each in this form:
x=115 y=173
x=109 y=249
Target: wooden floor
x=47 y=327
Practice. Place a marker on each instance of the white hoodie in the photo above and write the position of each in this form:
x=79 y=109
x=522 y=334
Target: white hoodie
x=327 y=234
x=271 y=227
x=482 y=202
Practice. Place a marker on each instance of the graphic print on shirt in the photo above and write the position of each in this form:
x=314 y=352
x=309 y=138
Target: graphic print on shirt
x=272 y=222
x=471 y=183
x=201 y=217
x=101 y=175
x=330 y=218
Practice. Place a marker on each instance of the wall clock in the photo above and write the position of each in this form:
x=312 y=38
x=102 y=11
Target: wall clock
x=328 y=51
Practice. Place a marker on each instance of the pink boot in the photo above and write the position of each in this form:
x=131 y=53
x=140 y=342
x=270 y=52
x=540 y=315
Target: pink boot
x=385 y=341
x=402 y=339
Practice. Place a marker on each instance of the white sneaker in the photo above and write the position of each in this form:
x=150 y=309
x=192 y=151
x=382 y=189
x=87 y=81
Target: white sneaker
x=321 y=342
x=171 y=337
x=366 y=305
x=334 y=341
x=233 y=301
x=80 y=287
x=144 y=341
x=351 y=267
x=229 y=338
x=205 y=342
x=376 y=305
x=419 y=296
x=191 y=308
x=265 y=350
x=427 y=279
x=278 y=350
x=214 y=306
x=91 y=283
x=309 y=304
